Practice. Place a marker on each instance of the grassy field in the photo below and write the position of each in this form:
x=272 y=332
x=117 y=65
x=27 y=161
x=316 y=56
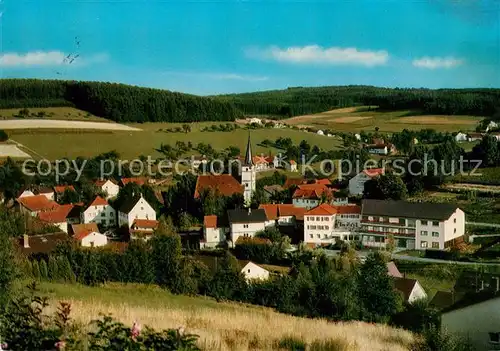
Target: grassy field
x=221 y=326
x=58 y=144
x=355 y=120
x=61 y=113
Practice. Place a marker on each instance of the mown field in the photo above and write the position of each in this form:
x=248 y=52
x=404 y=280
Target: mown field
x=60 y=113
x=58 y=144
x=221 y=326
x=368 y=118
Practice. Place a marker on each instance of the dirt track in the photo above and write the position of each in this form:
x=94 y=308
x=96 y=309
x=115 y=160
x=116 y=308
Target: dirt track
x=10 y=150
x=59 y=124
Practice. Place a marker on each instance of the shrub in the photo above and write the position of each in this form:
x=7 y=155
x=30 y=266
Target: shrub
x=291 y=343
x=3 y=135
x=329 y=345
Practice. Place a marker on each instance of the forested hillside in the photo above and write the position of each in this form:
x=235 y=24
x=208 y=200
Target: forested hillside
x=301 y=101
x=118 y=102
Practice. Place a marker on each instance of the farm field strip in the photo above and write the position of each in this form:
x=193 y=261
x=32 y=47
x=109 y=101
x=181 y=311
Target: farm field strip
x=61 y=124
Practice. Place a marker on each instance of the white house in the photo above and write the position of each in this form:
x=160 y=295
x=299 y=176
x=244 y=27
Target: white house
x=245 y=223
x=411 y=289
x=143 y=229
x=214 y=232
x=254 y=120
x=460 y=137
x=100 y=212
x=412 y=225
x=320 y=132
x=475 y=318
x=58 y=217
x=326 y=224
x=357 y=183
x=357 y=136
x=491 y=125
x=252 y=271
x=135 y=208
x=262 y=163
x=475 y=136
x=292 y=166
x=109 y=187
x=282 y=214
x=88 y=235
x=311 y=195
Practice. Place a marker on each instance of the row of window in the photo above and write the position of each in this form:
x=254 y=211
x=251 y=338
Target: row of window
x=402 y=220
x=318 y=236
x=353 y=216
x=425 y=233
x=319 y=227
x=425 y=244
x=318 y=219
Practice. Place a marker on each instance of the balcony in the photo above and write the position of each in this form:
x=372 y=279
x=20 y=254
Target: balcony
x=383 y=222
x=378 y=232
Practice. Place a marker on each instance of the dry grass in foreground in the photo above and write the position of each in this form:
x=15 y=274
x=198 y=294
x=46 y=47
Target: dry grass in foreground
x=229 y=326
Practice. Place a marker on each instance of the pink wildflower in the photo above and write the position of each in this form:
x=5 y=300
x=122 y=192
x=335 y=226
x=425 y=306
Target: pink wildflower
x=135 y=331
x=60 y=345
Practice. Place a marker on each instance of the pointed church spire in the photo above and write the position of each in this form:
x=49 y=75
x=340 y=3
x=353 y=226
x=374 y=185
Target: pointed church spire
x=248 y=154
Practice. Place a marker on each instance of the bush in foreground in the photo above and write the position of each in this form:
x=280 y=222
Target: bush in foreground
x=25 y=327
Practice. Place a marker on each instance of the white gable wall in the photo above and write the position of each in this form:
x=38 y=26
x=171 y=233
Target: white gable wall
x=245 y=230
x=251 y=271
x=417 y=293
x=111 y=189
x=102 y=214
x=94 y=240
x=475 y=322
x=357 y=184
x=141 y=210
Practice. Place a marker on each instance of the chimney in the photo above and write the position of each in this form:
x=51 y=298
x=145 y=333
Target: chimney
x=26 y=242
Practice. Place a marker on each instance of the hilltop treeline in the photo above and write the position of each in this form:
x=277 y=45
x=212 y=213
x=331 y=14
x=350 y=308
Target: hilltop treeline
x=118 y=102
x=299 y=101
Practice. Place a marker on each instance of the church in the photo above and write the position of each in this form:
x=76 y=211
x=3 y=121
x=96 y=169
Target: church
x=226 y=184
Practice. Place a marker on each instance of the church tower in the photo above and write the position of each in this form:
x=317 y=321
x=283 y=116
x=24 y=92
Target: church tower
x=248 y=173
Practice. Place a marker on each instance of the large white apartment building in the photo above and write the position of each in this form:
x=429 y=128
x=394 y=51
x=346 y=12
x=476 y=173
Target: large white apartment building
x=325 y=224
x=412 y=225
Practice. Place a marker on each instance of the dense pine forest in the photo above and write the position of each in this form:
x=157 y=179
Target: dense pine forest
x=300 y=101
x=125 y=103
x=118 y=102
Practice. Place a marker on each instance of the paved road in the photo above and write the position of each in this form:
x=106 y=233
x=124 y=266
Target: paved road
x=482 y=224
x=362 y=255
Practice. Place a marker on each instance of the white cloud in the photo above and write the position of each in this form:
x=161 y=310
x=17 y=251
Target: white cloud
x=47 y=58
x=318 y=55
x=219 y=76
x=437 y=62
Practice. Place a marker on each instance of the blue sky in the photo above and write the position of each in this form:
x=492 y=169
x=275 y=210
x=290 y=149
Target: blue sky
x=208 y=47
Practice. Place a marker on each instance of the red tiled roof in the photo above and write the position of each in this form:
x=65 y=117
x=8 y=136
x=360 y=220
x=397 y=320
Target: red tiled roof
x=292 y=162
x=58 y=215
x=80 y=231
x=61 y=188
x=348 y=209
x=323 y=209
x=101 y=182
x=210 y=221
x=38 y=203
x=293 y=181
x=372 y=172
x=99 y=201
x=136 y=180
x=145 y=223
x=225 y=184
x=323 y=181
x=312 y=191
x=274 y=211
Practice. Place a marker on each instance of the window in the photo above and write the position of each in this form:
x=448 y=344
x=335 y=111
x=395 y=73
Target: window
x=435 y=245
x=435 y=234
x=325 y=236
x=311 y=236
x=317 y=219
x=423 y=232
x=423 y=244
x=318 y=236
x=311 y=218
x=423 y=222
x=455 y=230
x=327 y=227
x=245 y=225
x=248 y=271
x=103 y=214
x=435 y=223
x=454 y=220
x=494 y=338
x=142 y=208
